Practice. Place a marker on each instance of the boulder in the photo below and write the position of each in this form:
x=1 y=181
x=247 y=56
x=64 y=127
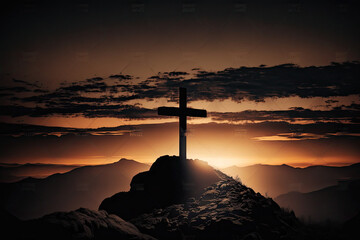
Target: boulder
x=169 y=181
x=79 y=224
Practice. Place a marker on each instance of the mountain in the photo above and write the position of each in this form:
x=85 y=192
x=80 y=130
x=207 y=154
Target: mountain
x=173 y=200
x=81 y=187
x=192 y=200
x=17 y=172
x=177 y=200
x=337 y=203
x=273 y=180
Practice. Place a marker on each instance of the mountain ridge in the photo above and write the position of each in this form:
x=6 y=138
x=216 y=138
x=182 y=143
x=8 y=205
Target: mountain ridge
x=84 y=186
x=274 y=180
x=337 y=203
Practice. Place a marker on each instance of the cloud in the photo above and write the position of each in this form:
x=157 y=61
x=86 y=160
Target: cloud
x=97 y=97
x=287 y=115
x=86 y=110
x=26 y=83
x=16 y=129
x=94 y=86
x=15 y=89
x=121 y=77
x=259 y=83
x=95 y=79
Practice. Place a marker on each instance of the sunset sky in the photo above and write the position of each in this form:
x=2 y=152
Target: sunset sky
x=80 y=81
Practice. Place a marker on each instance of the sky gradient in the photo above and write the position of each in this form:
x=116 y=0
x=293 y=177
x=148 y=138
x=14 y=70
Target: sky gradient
x=81 y=81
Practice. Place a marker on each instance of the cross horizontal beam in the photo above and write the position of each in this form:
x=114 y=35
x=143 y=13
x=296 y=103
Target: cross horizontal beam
x=174 y=111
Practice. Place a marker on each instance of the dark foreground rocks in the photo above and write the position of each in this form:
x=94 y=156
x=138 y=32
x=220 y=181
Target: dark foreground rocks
x=80 y=224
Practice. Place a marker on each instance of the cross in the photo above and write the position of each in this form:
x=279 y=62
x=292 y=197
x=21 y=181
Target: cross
x=182 y=112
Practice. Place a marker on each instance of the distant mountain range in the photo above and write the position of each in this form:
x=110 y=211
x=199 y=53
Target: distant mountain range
x=338 y=203
x=274 y=180
x=16 y=172
x=305 y=190
x=81 y=187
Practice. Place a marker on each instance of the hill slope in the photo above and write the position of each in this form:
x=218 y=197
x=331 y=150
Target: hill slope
x=16 y=172
x=82 y=187
x=171 y=201
x=337 y=203
x=273 y=180
x=226 y=210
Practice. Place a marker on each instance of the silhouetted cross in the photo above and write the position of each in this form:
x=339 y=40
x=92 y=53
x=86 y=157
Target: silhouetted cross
x=182 y=112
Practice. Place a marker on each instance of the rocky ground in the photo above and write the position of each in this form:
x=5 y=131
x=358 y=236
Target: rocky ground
x=226 y=210
x=168 y=182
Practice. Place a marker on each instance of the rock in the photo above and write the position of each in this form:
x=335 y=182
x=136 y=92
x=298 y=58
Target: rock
x=226 y=210
x=80 y=224
x=168 y=181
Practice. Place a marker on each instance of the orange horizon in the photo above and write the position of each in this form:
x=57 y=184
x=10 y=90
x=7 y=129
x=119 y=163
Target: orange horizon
x=82 y=163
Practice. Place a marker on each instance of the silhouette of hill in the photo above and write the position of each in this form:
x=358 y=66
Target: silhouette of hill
x=171 y=201
x=273 y=180
x=336 y=203
x=17 y=172
x=82 y=187
x=167 y=182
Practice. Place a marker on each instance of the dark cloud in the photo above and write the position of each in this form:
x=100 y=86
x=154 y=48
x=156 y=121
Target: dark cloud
x=16 y=129
x=353 y=106
x=95 y=79
x=258 y=83
x=95 y=87
x=175 y=74
x=121 y=77
x=29 y=84
x=96 y=97
x=15 y=89
x=87 y=110
x=331 y=101
x=295 y=113
x=253 y=83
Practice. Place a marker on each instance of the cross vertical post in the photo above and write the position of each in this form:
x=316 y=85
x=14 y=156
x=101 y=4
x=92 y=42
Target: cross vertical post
x=182 y=125
x=182 y=112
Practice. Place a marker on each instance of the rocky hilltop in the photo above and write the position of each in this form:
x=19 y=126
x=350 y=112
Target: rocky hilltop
x=210 y=205
x=226 y=210
x=167 y=182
